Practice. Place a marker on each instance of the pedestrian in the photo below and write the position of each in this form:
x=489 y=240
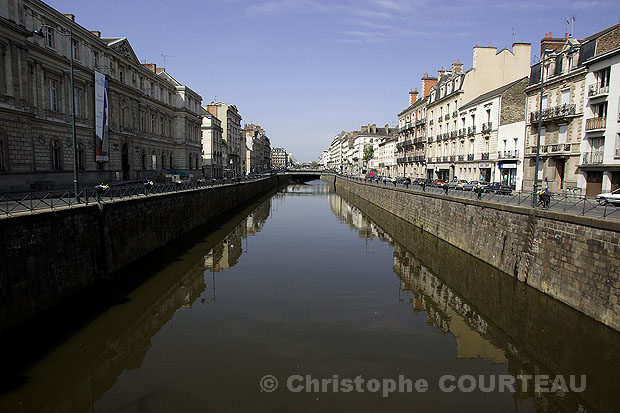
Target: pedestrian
x=423 y=184
x=445 y=187
x=478 y=191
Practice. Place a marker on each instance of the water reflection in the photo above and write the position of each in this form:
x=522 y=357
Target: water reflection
x=75 y=375
x=492 y=316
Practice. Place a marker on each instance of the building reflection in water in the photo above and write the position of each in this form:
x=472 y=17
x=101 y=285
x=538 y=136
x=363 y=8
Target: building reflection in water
x=73 y=376
x=492 y=316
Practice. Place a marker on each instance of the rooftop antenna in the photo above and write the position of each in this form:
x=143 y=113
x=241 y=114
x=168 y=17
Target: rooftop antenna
x=513 y=35
x=163 y=56
x=570 y=21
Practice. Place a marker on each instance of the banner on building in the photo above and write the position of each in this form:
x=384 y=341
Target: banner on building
x=102 y=143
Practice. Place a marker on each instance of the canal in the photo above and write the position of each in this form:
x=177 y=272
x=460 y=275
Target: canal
x=312 y=300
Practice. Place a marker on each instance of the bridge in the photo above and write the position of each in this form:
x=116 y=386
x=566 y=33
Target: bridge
x=303 y=175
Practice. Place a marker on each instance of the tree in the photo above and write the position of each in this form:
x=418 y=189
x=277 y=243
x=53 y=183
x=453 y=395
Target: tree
x=368 y=152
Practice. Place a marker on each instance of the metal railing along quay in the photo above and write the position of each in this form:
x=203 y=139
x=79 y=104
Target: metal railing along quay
x=37 y=201
x=565 y=202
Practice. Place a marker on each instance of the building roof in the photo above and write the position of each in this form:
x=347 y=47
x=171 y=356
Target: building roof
x=490 y=95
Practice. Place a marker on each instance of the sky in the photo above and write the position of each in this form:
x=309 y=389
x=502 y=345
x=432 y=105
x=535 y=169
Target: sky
x=307 y=69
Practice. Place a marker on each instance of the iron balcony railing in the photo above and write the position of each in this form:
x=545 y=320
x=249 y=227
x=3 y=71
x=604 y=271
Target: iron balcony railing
x=462 y=132
x=595 y=91
x=420 y=122
x=596 y=123
x=447 y=116
x=512 y=154
x=430 y=139
x=471 y=130
x=554 y=112
x=592 y=158
x=440 y=119
x=470 y=157
x=486 y=127
x=484 y=156
x=455 y=113
x=617 y=153
x=461 y=157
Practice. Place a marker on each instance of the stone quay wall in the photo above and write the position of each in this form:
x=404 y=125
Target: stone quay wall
x=573 y=259
x=47 y=256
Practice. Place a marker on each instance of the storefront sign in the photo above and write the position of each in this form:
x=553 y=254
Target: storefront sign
x=484 y=165
x=507 y=165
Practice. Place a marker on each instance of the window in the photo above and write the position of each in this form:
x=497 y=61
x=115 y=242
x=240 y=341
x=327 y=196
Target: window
x=542 y=136
x=190 y=161
x=602 y=78
x=80 y=156
x=142 y=122
x=121 y=75
x=56 y=155
x=96 y=59
x=52 y=95
x=75 y=50
x=77 y=102
x=49 y=36
x=171 y=164
x=154 y=161
x=143 y=160
x=152 y=123
x=161 y=125
x=600 y=110
x=141 y=83
x=562 y=133
x=123 y=116
x=544 y=102
x=565 y=96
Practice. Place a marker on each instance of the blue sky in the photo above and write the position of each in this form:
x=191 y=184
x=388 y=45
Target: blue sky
x=305 y=70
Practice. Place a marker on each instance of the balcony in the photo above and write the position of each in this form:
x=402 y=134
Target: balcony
x=400 y=160
x=418 y=158
x=440 y=119
x=594 y=124
x=447 y=116
x=470 y=157
x=455 y=113
x=595 y=91
x=444 y=159
x=462 y=132
x=452 y=158
x=508 y=154
x=419 y=140
x=471 y=130
x=430 y=122
x=461 y=157
x=592 y=158
x=617 y=153
x=420 y=122
x=554 y=149
x=555 y=112
x=453 y=134
x=430 y=139
x=484 y=156
x=410 y=159
x=410 y=125
x=486 y=127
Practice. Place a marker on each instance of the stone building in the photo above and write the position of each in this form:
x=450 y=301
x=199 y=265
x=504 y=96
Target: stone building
x=445 y=125
x=369 y=136
x=232 y=135
x=599 y=169
x=154 y=125
x=386 y=157
x=258 y=158
x=213 y=146
x=561 y=118
x=279 y=158
x=412 y=129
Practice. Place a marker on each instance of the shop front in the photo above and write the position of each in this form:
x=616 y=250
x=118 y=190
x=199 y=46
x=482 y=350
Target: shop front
x=485 y=171
x=508 y=173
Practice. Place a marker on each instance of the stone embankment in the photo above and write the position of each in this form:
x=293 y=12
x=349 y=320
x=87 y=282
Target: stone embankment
x=48 y=256
x=571 y=258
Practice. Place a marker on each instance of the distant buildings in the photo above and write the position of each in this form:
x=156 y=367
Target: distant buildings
x=279 y=158
x=483 y=123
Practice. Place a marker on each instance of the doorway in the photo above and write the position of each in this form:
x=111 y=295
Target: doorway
x=560 y=165
x=594 y=183
x=125 y=162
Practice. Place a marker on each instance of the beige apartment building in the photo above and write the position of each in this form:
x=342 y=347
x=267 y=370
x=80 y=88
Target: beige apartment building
x=446 y=126
x=214 y=148
x=232 y=135
x=561 y=118
x=153 y=120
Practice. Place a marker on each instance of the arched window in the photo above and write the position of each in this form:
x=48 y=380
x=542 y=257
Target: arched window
x=80 y=156
x=56 y=155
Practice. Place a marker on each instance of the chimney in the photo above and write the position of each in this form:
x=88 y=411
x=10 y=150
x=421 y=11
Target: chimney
x=387 y=130
x=150 y=66
x=96 y=33
x=413 y=96
x=374 y=128
x=212 y=109
x=427 y=83
x=441 y=72
x=159 y=70
x=70 y=16
x=457 y=66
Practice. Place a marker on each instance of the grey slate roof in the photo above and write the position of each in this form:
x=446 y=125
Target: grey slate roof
x=489 y=95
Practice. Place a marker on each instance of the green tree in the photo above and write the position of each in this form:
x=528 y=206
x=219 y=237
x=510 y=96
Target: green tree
x=368 y=152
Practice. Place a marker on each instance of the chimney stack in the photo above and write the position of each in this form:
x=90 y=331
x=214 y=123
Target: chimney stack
x=441 y=72
x=96 y=33
x=413 y=96
x=427 y=83
x=387 y=129
x=150 y=66
x=70 y=16
x=457 y=66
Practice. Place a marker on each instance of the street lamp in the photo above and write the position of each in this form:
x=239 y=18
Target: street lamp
x=540 y=116
x=40 y=33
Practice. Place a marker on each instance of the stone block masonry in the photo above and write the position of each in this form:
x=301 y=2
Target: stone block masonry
x=47 y=256
x=571 y=258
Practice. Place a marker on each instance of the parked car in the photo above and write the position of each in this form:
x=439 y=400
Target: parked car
x=370 y=175
x=612 y=198
x=460 y=184
x=452 y=183
x=471 y=185
x=406 y=181
x=498 y=188
x=439 y=183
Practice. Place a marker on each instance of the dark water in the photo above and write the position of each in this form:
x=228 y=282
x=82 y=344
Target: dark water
x=310 y=285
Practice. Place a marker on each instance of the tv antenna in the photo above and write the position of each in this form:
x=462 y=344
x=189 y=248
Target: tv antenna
x=164 y=56
x=570 y=22
x=513 y=35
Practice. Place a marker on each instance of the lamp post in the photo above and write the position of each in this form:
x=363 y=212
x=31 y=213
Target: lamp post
x=540 y=115
x=75 y=157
